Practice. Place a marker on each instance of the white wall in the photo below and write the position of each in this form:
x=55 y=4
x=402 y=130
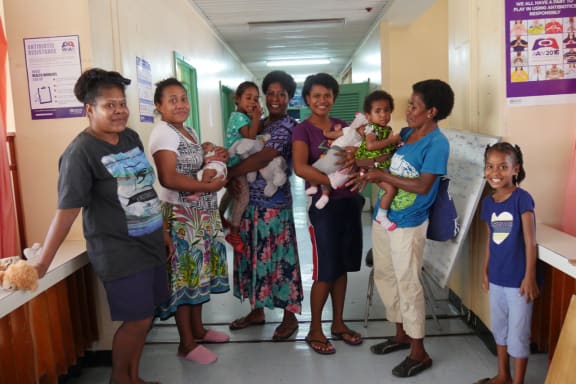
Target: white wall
x=367 y=60
x=153 y=30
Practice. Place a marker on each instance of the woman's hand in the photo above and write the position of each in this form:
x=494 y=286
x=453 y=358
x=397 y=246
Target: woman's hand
x=215 y=184
x=375 y=175
x=485 y=282
x=41 y=269
x=221 y=153
x=359 y=178
x=347 y=160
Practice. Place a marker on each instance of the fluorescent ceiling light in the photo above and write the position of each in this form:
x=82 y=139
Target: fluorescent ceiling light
x=284 y=63
x=303 y=23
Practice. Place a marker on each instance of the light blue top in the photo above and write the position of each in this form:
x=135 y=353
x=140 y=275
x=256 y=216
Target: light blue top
x=237 y=120
x=427 y=155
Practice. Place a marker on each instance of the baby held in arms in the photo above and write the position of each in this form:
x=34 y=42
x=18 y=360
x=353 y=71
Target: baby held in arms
x=214 y=166
x=328 y=164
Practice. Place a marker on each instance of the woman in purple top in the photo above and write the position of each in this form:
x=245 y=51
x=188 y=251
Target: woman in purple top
x=336 y=230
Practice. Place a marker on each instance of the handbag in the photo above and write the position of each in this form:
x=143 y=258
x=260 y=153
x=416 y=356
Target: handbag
x=442 y=216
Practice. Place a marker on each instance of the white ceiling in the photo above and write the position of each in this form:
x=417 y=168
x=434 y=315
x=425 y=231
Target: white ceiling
x=337 y=42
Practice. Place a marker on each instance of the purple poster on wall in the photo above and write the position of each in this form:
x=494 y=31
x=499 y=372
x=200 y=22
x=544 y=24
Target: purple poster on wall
x=541 y=49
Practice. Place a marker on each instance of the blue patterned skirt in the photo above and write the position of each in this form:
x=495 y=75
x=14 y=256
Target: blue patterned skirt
x=198 y=267
x=267 y=272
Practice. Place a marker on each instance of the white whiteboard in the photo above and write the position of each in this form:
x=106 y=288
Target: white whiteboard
x=466 y=171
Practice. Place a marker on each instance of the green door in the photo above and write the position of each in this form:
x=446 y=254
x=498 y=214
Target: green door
x=187 y=75
x=227 y=105
x=350 y=100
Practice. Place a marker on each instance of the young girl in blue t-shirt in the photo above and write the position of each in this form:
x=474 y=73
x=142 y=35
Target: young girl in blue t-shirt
x=243 y=123
x=510 y=264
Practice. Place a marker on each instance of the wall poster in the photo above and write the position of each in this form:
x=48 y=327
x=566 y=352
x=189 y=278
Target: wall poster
x=52 y=67
x=541 y=52
x=145 y=90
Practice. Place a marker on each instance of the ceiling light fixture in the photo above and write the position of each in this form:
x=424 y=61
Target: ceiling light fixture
x=284 y=63
x=303 y=23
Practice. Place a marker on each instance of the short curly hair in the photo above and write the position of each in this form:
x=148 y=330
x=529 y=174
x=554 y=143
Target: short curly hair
x=322 y=79
x=377 y=96
x=285 y=79
x=436 y=94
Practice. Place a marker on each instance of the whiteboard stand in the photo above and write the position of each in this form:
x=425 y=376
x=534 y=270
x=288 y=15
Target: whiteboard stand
x=466 y=171
x=429 y=296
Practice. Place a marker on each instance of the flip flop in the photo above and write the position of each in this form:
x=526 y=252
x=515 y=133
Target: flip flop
x=350 y=339
x=243 y=322
x=485 y=380
x=388 y=346
x=279 y=335
x=326 y=349
x=410 y=367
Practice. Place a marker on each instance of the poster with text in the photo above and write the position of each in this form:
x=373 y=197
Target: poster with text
x=541 y=51
x=52 y=67
x=145 y=90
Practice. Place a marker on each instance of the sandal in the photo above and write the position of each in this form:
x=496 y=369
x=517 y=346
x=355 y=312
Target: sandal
x=284 y=331
x=348 y=336
x=320 y=347
x=410 y=367
x=245 y=322
x=485 y=380
x=388 y=346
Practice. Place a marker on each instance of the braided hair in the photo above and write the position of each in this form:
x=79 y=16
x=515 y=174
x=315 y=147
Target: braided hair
x=516 y=154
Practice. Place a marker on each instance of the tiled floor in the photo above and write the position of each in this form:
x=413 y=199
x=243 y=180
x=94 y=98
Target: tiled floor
x=459 y=356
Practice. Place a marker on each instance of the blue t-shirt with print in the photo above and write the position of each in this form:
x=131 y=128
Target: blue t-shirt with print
x=427 y=155
x=507 y=264
x=122 y=219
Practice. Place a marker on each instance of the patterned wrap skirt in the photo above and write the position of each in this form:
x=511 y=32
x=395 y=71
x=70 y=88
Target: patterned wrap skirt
x=198 y=266
x=267 y=272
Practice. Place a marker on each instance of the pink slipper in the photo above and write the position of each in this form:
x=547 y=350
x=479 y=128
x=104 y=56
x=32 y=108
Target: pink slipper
x=201 y=355
x=212 y=336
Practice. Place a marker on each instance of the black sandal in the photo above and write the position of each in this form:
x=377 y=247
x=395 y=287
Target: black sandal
x=410 y=367
x=388 y=346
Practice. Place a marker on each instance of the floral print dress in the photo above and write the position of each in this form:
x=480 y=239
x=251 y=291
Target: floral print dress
x=267 y=272
x=198 y=266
